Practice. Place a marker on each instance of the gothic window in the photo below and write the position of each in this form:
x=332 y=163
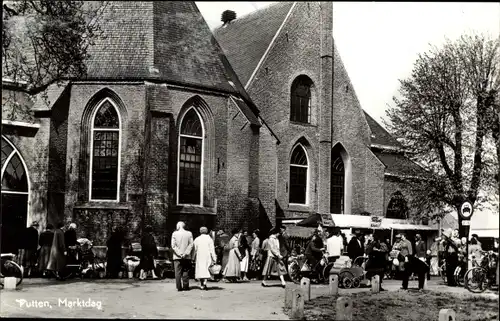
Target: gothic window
x=15 y=194
x=397 y=207
x=337 y=183
x=298 y=176
x=300 y=110
x=105 y=159
x=190 y=159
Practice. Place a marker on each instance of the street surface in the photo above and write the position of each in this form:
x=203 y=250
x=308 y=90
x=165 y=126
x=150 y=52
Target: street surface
x=159 y=299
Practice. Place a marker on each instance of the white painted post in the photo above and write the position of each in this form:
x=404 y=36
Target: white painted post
x=289 y=295
x=376 y=284
x=447 y=315
x=334 y=284
x=10 y=283
x=343 y=309
x=297 y=304
x=305 y=285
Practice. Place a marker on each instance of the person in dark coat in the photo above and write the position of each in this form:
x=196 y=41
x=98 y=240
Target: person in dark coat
x=414 y=266
x=377 y=257
x=419 y=247
x=45 y=242
x=57 y=260
x=28 y=253
x=148 y=253
x=114 y=253
x=285 y=250
x=355 y=247
x=71 y=242
x=314 y=252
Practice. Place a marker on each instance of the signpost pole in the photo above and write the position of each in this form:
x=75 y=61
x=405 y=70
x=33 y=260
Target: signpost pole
x=466 y=212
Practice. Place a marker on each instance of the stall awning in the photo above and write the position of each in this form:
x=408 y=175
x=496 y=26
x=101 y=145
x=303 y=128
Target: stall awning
x=365 y=222
x=413 y=227
x=485 y=232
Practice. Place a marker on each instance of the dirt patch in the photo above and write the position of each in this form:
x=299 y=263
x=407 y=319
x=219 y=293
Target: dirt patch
x=406 y=305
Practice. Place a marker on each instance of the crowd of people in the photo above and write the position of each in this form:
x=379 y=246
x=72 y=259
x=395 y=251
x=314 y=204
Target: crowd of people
x=48 y=252
x=218 y=256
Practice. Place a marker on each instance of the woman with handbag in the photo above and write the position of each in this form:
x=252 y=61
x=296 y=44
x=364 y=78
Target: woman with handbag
x=232 y=271
x=255 y=255
x=204 y=251
x=274 y=262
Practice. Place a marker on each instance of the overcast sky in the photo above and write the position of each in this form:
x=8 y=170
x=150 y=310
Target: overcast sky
x=379 y=41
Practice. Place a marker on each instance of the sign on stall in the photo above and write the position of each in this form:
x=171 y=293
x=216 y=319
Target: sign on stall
x=327 y=220
x=376 y=221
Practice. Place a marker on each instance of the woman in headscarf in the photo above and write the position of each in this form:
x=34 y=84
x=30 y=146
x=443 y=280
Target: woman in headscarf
x=148 y=253
x=255 y=257
x=57 y=260
x=232 y=270
x=45 y=242
x=244 y=249
x=114 y=253
x=204 y=251
x=274 y=261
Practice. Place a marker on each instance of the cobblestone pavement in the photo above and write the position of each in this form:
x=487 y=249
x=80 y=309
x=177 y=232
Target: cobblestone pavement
x=159 y=299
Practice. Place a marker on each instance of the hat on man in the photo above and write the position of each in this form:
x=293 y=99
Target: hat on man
x=357 y=232
x=398 y=236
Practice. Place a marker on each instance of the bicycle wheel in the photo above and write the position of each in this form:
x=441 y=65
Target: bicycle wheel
x=346 y=279
x=326 y=271
x=459 y=276
x=67 y=272
x=476 y=280
x=294 y=272
x=10 y=268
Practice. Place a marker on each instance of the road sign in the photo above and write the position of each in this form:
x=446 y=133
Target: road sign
x=466 y=210
x=466 y=223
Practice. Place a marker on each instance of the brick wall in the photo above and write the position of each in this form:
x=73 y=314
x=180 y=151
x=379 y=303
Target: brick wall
x=298 y=51
x=130 y=99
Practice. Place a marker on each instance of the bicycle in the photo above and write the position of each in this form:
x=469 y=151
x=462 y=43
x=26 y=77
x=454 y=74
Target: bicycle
x=9 y=268
x=480 y=278
x=299 y=267
x=83 y=263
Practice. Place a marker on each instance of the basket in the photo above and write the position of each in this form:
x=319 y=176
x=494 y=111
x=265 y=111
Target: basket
x=214 y=269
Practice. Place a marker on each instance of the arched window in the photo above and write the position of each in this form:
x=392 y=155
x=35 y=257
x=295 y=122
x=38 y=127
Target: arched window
x=299 y=167
x=337 y=183
x=300 y=109
x=15 y=195
x=105 y=149
x=189 y=182
x=397 y=208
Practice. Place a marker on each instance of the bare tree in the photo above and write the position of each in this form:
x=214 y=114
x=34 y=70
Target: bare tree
x=446 y=119
x=46 y=41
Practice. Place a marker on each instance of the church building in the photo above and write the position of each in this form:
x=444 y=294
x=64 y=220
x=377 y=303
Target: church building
x=247 y=127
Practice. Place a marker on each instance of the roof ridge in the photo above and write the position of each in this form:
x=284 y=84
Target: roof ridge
x=247 y=15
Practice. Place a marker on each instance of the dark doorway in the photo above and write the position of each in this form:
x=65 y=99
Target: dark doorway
x=14 y=197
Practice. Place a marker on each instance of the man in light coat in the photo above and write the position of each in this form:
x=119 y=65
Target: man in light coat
x=182 y=246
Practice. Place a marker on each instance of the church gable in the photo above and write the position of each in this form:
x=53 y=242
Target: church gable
x=160 y=40
x=246 y=39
